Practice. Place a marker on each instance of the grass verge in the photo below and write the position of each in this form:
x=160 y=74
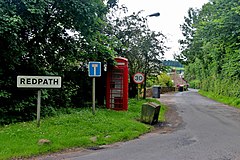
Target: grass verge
x=80 y=129
x=235 y=102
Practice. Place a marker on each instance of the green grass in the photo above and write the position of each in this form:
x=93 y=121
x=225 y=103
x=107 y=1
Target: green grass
x=81 y=129
x=163 y=110
x=232 y=101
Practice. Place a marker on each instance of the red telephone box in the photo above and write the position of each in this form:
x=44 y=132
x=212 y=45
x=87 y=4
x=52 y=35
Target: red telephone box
x=117 y=85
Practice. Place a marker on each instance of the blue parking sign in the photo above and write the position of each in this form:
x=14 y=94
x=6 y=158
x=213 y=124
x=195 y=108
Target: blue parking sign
x=94 y=69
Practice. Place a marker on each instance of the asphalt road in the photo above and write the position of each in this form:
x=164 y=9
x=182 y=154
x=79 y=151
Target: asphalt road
x=209 y=131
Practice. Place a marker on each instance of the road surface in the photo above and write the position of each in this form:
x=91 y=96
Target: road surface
x=208 y=131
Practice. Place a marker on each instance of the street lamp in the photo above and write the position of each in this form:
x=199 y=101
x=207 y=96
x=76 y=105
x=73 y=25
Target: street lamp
x=145 y=75
x=154 y=15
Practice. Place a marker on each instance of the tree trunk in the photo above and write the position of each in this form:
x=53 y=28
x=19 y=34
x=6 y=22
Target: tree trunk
x=144 y=85
x=132 y=89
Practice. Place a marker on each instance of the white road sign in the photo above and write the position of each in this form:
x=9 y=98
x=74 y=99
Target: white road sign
x=39 y=81
x=138 y=78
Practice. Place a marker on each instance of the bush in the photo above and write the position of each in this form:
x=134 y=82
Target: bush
x=18 y=105
x=195 y=84
x=162 y=80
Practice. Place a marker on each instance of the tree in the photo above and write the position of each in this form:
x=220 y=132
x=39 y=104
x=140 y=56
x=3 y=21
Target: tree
x=143 y=48
x=164 y=80
x=188 y=31
x=48 y=37
x=212 y=51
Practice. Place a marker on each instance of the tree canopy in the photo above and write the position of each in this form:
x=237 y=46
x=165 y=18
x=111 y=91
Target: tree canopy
x=211 y=46
x=47 y=37
x=143 y=48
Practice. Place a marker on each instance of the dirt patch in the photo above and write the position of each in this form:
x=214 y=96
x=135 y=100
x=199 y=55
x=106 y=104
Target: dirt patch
x=173 y=120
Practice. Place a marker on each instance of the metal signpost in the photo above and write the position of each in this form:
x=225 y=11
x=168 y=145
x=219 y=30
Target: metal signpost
x=39 y=82
x=138 y=78
x=94 y=70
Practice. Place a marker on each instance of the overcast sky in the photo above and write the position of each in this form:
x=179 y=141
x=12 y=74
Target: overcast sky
x=172 y=14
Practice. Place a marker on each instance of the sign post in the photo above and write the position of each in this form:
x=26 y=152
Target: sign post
x=39 y=82
x=94 y=70
x=138 y=78
x=93 y=95
x=38 y=107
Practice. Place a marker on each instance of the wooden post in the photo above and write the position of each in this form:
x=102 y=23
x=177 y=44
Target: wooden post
x=139 y=87
x=38 y=107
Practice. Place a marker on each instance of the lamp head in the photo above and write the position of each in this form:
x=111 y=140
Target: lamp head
x=154 y=15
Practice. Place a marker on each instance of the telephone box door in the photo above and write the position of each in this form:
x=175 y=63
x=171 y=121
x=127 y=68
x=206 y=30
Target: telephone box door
x=117 y=85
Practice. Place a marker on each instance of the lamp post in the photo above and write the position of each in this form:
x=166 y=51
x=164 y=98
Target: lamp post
x=145 y=74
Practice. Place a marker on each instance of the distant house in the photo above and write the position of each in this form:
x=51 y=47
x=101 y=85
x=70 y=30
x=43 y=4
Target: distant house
x=177 y=79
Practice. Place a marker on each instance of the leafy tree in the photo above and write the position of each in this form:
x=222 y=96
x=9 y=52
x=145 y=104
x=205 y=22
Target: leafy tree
x=164 y=80
x=188 y=31
x=212 y=51
x=143 y=48
x=48 y=37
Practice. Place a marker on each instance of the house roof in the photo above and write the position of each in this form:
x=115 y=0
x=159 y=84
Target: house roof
x=177 y=79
